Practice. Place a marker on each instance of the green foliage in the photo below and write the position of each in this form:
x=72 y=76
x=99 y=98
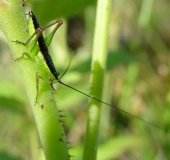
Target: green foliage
x=61 y=8
x=137 y=80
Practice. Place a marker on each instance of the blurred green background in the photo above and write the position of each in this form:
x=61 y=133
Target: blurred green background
x=136 y=80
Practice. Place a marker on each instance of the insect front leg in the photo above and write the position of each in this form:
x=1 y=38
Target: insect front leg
x=38 y=77
x=51 y=81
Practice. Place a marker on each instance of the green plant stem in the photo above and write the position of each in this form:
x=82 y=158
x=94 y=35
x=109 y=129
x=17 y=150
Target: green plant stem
x=13 y=23
x=98 y=68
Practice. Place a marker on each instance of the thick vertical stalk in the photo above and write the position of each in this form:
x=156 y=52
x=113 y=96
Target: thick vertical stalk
x=13 y=23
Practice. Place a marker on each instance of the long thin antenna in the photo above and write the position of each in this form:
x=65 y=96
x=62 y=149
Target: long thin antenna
x=66 y=69
x=110 y=105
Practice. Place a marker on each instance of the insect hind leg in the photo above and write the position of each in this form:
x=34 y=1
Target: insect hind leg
x=23 y=55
